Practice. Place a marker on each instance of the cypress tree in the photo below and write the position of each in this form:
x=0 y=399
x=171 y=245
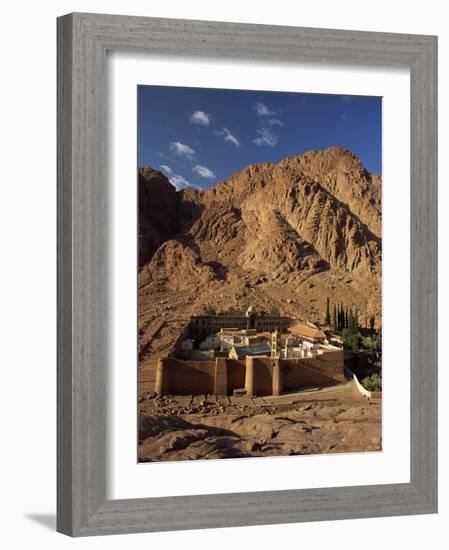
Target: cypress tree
x=351 y=323
x=327 y=317
x=334 y=319
x=372 y=322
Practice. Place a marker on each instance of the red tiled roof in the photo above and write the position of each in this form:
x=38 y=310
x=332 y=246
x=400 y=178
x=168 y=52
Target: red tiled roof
x=309 y=332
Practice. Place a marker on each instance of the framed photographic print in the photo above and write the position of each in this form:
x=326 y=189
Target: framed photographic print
x=246 y=274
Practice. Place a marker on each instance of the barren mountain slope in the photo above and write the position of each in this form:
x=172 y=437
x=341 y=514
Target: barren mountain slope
x=342 y=174
x=158 y=218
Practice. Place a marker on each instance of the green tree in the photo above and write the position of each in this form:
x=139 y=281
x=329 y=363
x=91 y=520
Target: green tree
x=327 y=317
x=372 y=322
x=373 y=382
x=351 y=336
x=355 y=341
x=378 y=340
x=341 y=317
x=351 y=321
x=274 y=311
x=352 y=340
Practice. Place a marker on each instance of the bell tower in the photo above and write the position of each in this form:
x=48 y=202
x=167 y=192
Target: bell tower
x=275 y=343
x=250 y=318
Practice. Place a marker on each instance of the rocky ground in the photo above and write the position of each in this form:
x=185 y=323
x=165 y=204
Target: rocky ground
x=332 y=420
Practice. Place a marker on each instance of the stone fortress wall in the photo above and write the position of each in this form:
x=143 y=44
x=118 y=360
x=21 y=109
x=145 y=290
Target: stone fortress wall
x=258 y=376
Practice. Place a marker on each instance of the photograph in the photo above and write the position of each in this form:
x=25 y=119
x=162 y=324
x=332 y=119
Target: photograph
x=259 y=273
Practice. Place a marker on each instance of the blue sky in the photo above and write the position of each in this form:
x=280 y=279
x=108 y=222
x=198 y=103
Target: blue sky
x=199 y=136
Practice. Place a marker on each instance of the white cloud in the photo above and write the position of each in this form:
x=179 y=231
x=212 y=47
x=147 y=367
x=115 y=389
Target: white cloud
x=179 y=182
x=181 y=149
x=203 y=171
x=228 y=136
x=266 y=138
x=262 y=109
x=166 y=169
x=275 y=122
x=201 y=118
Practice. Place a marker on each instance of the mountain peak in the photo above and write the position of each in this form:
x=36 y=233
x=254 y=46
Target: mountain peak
x=342 y=174
x=154 y=181
x=334 y=158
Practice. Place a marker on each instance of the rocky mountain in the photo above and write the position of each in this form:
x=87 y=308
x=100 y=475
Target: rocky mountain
x=284 y=235
x=158 y=218
x=342 y=174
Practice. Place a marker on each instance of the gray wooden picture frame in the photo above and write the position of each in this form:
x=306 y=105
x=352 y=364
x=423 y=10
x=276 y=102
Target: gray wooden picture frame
x=83 y=40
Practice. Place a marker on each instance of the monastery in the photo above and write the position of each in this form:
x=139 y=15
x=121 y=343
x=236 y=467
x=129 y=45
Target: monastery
x=248 y=355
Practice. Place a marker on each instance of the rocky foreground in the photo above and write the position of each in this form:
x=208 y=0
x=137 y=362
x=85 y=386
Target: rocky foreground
x=204 y=427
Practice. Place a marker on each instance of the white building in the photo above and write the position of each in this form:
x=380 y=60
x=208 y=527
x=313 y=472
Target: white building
x=230 y=337
x=296 y=352
x=210 y=342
